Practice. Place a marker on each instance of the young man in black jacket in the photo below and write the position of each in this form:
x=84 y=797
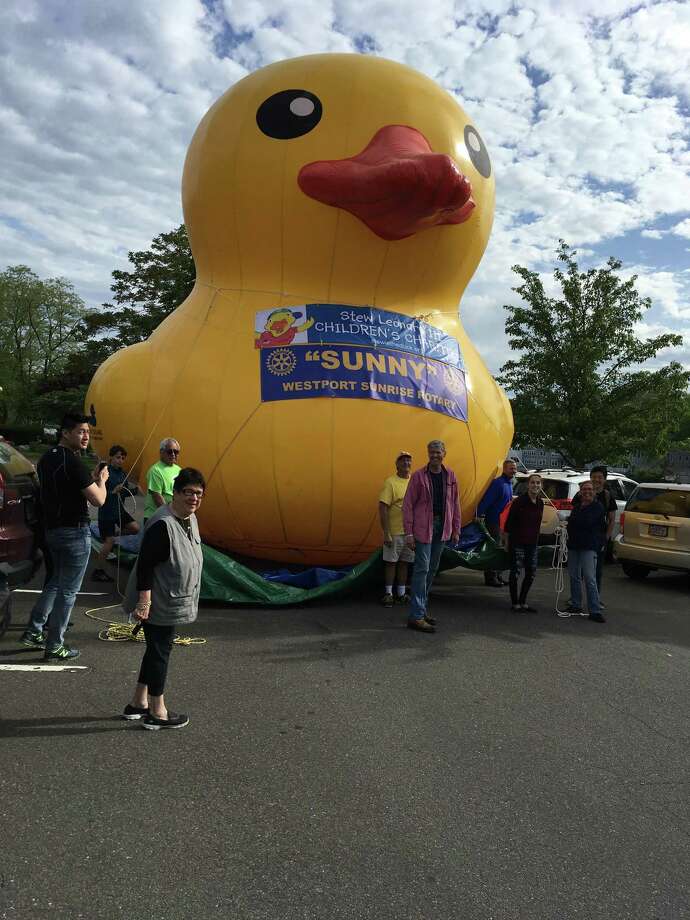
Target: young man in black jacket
x=67 y=489
x=586 y=534
x=601 y=494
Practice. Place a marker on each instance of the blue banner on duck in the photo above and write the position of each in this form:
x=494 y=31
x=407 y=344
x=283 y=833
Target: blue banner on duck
x=334 y=324
x=364 y=353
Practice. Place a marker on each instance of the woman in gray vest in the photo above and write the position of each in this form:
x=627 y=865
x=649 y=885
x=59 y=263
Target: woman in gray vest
x=163 y=592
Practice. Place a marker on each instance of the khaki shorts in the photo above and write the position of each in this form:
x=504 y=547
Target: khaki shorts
x=398 y=551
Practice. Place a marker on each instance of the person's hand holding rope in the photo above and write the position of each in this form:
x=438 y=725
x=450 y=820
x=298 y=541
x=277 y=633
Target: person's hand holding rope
x=141 y=611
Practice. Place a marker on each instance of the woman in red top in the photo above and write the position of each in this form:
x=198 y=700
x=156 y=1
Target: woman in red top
x=521 y=537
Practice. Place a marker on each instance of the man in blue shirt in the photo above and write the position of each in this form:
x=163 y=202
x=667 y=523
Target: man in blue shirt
x=113 y=517
x=497 y=496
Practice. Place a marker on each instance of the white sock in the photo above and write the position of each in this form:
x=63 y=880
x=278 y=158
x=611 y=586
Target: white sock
x=401 y=590
x=389 y=589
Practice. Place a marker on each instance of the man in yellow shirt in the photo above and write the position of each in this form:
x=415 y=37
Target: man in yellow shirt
x=396 y=554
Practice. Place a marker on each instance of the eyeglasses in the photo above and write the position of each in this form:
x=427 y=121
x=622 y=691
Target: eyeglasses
x=172 y=450
x=192 y=493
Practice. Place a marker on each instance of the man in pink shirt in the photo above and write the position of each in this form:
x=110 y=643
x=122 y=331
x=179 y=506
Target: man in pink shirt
x=431 y=516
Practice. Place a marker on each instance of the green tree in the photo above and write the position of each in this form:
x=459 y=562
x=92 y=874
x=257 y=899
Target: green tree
x=679 y=437
x=161 y=278
x=39 y=331
x=577 y=385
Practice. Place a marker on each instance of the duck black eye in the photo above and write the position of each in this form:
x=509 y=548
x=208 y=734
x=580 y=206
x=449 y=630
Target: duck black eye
x=477 y=151
x=290 y=113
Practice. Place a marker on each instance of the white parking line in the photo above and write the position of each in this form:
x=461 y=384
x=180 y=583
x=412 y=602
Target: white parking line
x=43 y=667
x=80 y=593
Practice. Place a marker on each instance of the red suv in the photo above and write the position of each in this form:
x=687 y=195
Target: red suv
x=19 y=552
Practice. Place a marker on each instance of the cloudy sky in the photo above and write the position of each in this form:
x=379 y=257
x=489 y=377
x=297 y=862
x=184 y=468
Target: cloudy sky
x=583 y=106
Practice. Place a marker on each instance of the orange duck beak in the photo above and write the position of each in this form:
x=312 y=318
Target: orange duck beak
x=397 y=185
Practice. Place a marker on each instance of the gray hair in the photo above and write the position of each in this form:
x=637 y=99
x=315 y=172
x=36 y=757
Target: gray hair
x=436 y=445
x=164 y=443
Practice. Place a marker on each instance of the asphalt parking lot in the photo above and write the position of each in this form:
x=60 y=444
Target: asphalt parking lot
x=338 y=765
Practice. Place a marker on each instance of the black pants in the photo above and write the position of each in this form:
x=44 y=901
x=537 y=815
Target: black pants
x=154 y=665
x=523 y=557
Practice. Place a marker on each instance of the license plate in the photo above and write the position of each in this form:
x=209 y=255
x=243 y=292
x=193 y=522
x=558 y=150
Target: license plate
x=658 y=530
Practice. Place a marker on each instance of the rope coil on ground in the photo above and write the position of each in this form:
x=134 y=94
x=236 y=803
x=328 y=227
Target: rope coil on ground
x=118 y=631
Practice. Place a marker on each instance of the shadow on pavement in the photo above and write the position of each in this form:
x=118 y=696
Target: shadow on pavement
x=62 y=725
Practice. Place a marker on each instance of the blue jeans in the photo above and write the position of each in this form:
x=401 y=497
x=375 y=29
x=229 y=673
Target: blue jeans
x=69 y=548
x=426 y=559
x=582 y=564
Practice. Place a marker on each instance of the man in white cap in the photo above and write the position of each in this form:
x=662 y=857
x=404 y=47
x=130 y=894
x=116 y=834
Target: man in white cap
x=396 y=554
x=161 y=476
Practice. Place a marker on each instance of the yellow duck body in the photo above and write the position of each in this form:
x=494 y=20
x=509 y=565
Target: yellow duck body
x=297 y=480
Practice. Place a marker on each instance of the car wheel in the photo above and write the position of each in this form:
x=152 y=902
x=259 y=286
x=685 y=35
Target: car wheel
x=633 y=570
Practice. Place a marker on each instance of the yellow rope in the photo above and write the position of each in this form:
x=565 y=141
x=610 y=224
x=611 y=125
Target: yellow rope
x=124 y=632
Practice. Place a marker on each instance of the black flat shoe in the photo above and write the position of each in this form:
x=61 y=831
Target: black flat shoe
x=131 y=713
x=174 y=720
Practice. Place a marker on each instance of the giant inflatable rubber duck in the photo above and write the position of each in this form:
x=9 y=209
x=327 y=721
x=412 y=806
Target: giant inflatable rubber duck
x=337 y=206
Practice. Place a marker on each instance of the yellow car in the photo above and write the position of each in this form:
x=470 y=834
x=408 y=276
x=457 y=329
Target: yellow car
x=655 y=529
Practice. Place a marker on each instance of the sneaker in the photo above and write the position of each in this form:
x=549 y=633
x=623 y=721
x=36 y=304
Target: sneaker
x=526 y=608
x=402 y=599
x=174 y=720
x=61 y=653
x=602 y=604
x=387 y=600
x=516 y=608
x=430 y=620
x=134 y=712
x=571 y=608
x=101 y=575
x=597 y=617
x=421 y=625
x=33 y=639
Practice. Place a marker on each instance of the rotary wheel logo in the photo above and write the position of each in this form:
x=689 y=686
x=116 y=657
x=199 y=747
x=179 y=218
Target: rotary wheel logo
x=281 y=361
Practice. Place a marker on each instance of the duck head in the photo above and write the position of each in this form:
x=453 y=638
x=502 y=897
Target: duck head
x=342 y=178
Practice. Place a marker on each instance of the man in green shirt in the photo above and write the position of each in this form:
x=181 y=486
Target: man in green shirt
x=161 y=476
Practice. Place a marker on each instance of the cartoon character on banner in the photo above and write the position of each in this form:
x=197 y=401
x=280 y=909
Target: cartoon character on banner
x=281 y=329
x=345 y=181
